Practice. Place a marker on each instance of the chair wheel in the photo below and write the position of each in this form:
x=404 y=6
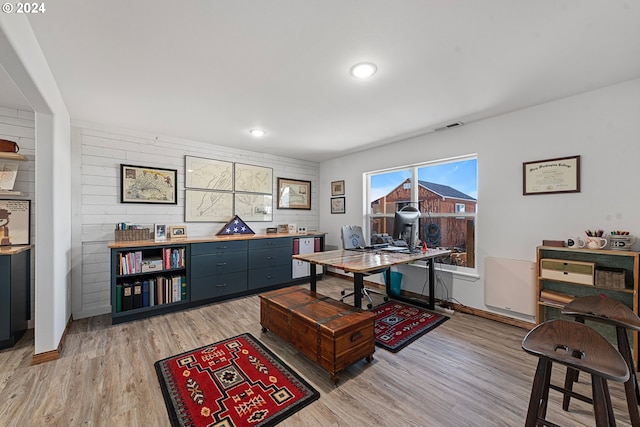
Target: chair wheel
x=369 y=306
x=386 y=298
x=342 y=292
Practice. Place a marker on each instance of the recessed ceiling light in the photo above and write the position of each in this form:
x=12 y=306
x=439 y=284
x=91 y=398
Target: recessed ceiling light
x=257 y=132
x=363 y=70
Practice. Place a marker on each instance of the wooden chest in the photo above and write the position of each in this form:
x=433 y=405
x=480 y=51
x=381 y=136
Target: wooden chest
x=333 y=334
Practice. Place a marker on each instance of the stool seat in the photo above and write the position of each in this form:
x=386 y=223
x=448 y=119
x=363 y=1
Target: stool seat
x=608 y=311
x=603 y=309
x=578 y=347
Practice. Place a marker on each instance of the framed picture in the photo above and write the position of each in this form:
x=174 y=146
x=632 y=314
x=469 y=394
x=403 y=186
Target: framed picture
x=160 y=232
x=294 y=194
x=337 y=188
x=207 y=206
x=15 y=222
x=253 y=207
x=561 y=175
x=140 y=184
x=208 y=174
x=337 y=205
x=253 y=179
x=177 y=232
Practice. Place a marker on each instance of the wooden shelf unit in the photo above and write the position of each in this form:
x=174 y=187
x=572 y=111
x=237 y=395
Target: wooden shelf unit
x=625 y=260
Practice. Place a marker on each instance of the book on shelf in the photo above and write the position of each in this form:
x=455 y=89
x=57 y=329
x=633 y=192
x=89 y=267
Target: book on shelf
x=557 y=298
x=145 y=293
x=118 y=297
x=127 y=296
x=137 y=294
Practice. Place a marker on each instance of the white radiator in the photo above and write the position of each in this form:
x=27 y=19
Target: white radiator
x=510 y=284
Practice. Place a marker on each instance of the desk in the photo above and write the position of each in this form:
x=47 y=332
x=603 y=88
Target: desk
x=364 y=262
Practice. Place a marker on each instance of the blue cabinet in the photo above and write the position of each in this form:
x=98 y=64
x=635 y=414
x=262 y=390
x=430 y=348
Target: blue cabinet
x=210 y=271
x=15 y=295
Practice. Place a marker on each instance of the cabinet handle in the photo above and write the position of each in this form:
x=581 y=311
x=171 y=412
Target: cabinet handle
x=220 y=264
x=222 y=285
x=356 y=336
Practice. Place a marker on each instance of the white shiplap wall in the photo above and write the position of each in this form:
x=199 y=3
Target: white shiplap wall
x=19 y=126
x=99 y=151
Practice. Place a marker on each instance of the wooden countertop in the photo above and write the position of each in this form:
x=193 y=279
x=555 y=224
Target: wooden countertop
x=206 y=239
x=12 y=250
x=354 y=261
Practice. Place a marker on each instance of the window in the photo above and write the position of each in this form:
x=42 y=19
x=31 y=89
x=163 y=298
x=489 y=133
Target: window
x=446 y=195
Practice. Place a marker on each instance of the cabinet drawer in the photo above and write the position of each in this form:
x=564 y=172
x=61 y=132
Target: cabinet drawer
x=216 y=247
x=270 y=276
x=218 y=285
x=218 y=263
x=262 y=258
x=568 y=271
x=279 y=242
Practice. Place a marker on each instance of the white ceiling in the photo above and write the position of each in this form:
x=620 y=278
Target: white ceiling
x=211 y=70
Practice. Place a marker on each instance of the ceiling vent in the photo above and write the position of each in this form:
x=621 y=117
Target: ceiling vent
x=449 y=126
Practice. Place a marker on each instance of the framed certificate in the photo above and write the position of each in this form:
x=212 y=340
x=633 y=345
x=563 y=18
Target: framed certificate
x=561 y=175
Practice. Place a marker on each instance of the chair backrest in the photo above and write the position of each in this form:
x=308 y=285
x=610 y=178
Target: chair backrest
x=352 y=237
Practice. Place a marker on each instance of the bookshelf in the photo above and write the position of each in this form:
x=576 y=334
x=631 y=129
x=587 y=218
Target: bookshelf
x=208 y=270
x=554 y=292
x=148 y=280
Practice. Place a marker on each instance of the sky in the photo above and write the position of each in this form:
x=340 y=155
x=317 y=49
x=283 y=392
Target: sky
x=461 y=175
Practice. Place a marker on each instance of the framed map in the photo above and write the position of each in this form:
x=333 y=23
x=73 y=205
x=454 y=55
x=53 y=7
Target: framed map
x=208 y=174
x=207 y=206
x=254 y=207
x=294 y=194
x=253 y=179
x=140 y=184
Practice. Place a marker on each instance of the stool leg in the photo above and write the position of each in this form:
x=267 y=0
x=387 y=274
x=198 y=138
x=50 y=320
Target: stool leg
x=537 y=402
x=569 y=379
x=631 y=385
x=600 y=406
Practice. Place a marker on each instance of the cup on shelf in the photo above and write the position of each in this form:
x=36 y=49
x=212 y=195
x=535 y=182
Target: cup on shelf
x=596 y=242
x=575 y=242
x=622 y=243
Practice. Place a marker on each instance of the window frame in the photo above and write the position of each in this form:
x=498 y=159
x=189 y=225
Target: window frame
x=413 y=169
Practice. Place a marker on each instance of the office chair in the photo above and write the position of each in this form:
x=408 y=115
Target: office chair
x=352 y=238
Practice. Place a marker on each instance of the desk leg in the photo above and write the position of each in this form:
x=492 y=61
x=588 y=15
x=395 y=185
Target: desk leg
x=432 y=284
x=358 y=283
x=313 y=280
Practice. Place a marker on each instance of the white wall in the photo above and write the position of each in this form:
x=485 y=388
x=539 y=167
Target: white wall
x=25 y=63
x=97 y=154
x=603 y=126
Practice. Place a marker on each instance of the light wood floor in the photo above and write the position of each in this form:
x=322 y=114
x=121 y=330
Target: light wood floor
x=469 y=371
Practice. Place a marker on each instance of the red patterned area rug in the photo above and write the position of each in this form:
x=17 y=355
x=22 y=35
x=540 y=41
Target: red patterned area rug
x=399 y=324
x=235 y=382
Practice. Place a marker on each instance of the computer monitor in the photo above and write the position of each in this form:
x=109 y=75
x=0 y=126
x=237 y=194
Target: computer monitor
x=406 y=226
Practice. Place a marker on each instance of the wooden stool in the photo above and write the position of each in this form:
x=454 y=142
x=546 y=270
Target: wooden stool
x=600 y=308
x=579 y=347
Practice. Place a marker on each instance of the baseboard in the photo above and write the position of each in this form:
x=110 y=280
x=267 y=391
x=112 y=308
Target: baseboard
x=457 y=307
x=49 y=356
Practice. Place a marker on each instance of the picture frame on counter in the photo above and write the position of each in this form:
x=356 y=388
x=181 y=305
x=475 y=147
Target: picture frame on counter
x=177 y=232
x=15 y=222
x=160 y=232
